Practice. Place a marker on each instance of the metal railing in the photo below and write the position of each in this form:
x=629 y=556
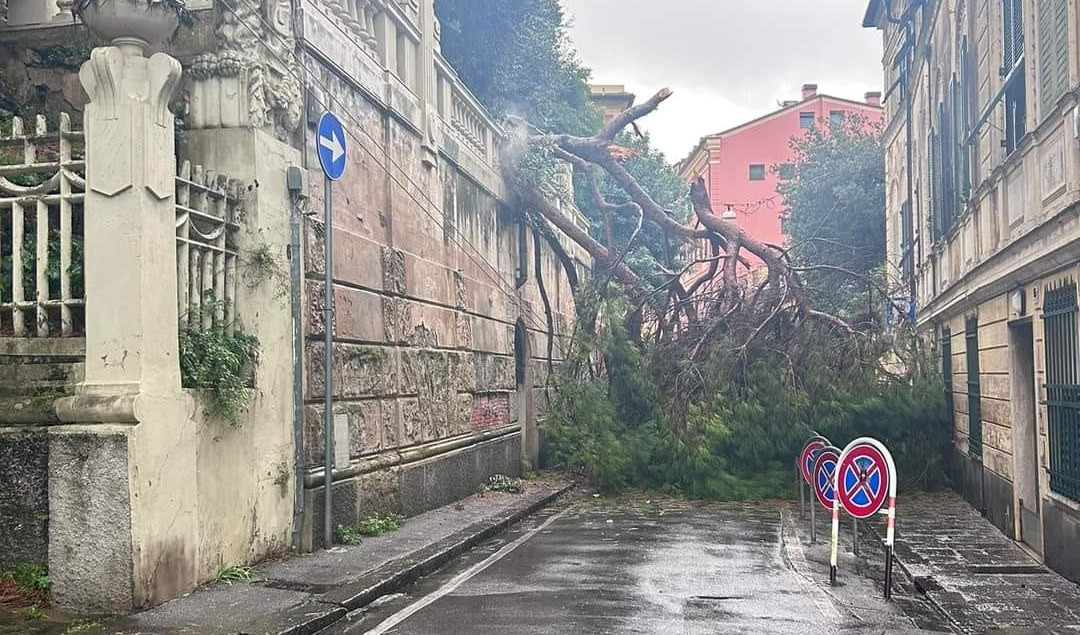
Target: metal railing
x=209 y=210
x=1062 y=388
x=42 y=186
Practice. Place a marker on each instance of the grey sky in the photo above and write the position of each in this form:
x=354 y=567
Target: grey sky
x=728 y=61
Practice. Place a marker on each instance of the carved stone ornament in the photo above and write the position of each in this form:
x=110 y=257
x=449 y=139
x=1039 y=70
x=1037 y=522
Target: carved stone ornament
x=249 y=81
x=129 y=23
x=128 y=113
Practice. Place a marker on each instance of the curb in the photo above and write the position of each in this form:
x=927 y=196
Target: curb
x=335 y=604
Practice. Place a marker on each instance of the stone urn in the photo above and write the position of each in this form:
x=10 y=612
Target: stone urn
x=131 y=24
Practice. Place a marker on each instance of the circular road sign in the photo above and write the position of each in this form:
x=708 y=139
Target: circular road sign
x=862 y=480
x=333 y=153
x=806 y=457
x=824 y=469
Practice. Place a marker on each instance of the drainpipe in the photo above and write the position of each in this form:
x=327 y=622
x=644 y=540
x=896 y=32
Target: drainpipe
x=909 y=125
x=298 y=195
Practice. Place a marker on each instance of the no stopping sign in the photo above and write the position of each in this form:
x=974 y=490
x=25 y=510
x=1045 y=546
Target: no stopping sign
x=824 y=469
x=862 y=480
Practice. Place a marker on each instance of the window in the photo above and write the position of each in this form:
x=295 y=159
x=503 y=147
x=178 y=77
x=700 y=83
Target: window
x=971 y=335
x=836 y=117
x=786 y=171
x=1012 y=69
x=1062 y=389
x=947 y=369
x=806 y=120
x=1053 y=53
x=950 y=158
x=907 y=244
x=757 y=171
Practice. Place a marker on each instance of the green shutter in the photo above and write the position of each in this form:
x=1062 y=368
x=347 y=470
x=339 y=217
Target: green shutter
x=974 y=386
x=1013 y=35
x=1053 y=53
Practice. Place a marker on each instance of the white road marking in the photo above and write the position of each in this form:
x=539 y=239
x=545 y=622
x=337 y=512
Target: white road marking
x=458 y=580
x=797 y=557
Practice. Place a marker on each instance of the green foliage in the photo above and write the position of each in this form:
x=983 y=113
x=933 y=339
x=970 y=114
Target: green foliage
x=29 y=263
x=218 y=363
x=516 y=57
x=234 y=573
x=81 y=626
x=261 y=265
x=729 y=427
x=31 y=613
x=836 y=203
x=373 y=525
x=379 y=524
x=62 y=56
x=30 y=577
x=504 y=483
x=346 y=535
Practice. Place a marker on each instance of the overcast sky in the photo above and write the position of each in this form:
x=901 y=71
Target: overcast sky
x=728 y=61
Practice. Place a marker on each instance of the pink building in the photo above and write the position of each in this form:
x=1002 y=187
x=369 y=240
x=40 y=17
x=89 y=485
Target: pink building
x=738 y=164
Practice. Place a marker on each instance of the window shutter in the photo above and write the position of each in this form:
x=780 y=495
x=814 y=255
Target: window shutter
x=1053 y=53
x=1013 y=37
x=935 y=185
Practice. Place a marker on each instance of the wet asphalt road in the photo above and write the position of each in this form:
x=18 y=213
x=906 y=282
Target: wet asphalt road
x=592 y=567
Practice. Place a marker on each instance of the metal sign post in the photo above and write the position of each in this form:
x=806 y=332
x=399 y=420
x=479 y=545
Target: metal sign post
x=806 y=469
x=333 y=159
x=802 y=493
x=864 y=482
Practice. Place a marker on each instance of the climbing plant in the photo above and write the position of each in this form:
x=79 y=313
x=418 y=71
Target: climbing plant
x=219 y=362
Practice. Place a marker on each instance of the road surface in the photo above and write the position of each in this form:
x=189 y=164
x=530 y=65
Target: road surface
x=589 y=566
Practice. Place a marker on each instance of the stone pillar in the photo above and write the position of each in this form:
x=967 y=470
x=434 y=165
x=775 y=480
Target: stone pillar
x=122 y=501
x=426 y=83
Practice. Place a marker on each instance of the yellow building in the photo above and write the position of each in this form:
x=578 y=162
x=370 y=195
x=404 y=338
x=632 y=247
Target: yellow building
x=611 y=99
x=983 y=171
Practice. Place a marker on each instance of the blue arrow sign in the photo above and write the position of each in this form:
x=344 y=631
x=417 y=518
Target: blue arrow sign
x=333 y=155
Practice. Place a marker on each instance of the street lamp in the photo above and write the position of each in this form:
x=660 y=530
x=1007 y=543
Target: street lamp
x=729 y=214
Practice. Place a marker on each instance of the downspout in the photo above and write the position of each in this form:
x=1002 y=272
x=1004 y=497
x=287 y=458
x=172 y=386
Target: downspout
x=298 y=192
x=523 y=255
x=909 y=125
x=295 y=300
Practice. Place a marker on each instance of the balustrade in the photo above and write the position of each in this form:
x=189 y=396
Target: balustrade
x=209 y=210
x=42 y=186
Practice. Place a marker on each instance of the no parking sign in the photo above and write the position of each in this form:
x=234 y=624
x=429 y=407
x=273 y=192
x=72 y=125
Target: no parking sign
x=864 y=482
x=806 y=457
x=824 y=467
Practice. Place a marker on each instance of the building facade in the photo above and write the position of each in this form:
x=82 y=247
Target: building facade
x=743 y=166
x=611 y=99
x=174 y=193
x=983 y=180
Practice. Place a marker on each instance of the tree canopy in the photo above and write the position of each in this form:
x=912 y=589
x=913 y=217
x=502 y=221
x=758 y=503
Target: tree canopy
x=516 y=57
x=836 y=200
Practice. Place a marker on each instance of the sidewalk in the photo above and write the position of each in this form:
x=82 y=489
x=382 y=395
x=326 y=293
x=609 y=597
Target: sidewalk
x=980 y=579
x=304 y=594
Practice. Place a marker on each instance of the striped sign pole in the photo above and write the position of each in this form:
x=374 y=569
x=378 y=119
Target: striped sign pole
x=865 y=481
x=805 y=468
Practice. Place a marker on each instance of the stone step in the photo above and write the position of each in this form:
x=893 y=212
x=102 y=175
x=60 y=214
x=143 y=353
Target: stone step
x=23 y=373
x=33 y=374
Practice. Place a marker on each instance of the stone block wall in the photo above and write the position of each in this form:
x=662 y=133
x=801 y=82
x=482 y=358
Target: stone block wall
x=427 y=261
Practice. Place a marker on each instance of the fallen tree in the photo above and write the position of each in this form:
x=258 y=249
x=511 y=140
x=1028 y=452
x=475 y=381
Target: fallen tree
x=705 y=374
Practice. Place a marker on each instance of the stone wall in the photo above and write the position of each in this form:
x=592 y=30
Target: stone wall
x=430 y=279
x=426 y=262
x=24 y=497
